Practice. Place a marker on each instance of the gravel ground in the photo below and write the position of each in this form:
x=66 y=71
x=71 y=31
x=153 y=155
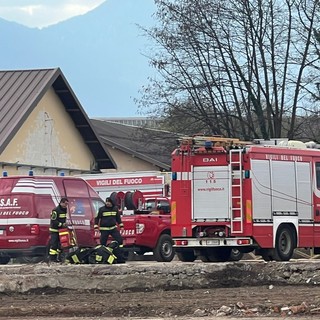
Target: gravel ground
x=149 y=290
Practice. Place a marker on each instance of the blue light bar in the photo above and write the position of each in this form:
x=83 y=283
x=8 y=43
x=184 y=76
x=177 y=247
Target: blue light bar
x=208 y=144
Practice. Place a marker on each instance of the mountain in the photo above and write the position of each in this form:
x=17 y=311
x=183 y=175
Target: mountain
x=101 y=54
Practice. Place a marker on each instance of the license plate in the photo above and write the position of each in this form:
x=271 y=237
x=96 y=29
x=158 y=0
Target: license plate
x=212 y=242
x=1 y=232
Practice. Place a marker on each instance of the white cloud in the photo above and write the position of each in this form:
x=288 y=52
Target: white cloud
x=42 y=13
x=30 y=10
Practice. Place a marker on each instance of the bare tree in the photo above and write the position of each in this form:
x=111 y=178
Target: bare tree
x=316 y=95
x=234 y=67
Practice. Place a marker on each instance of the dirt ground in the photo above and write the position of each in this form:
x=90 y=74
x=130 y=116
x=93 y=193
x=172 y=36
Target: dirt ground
x=240 y=302
x=276 y=290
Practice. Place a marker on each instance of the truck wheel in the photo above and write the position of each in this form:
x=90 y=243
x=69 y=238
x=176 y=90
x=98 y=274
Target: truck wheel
x=236 y=255
x=285 y=244
x=4 y=260
x=218 y=254
x=164 y=251
x=204 y=258
x=267 y=254
x=186 y=256
x=30 y=259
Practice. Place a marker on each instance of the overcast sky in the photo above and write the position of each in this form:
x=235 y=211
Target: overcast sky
x=42 y=13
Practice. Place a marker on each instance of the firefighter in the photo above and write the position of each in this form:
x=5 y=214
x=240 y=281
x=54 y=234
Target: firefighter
x=104 y=254
x=57 y=221
x=106 y=221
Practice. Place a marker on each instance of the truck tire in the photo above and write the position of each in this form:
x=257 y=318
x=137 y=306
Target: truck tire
x=164 y=251
x=4 y=259
x=236 y=255
x=285 y=244
x=186 y=256
x=203 y=258
x=31 y=260
x=218 y=254
x=267 y=254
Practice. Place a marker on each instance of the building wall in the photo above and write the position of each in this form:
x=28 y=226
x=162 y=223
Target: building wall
x=47 y=138
x=126 y=162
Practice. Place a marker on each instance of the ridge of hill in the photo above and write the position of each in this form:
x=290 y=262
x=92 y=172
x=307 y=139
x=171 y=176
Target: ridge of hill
x=100 y=53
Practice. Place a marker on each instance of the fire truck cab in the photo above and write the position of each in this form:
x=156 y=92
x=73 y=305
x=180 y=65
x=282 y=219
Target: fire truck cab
x=227 y=195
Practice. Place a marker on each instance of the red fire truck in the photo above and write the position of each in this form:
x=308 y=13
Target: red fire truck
x=227 y=194
x=142 y=199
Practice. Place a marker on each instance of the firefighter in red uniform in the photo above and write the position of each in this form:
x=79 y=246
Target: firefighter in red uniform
x=106 y=220
x=57 y=221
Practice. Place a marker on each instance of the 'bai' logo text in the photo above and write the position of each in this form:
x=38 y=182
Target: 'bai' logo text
x=210 y=160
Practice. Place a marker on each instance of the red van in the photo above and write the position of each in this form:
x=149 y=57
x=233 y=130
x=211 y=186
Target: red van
x=26 y=203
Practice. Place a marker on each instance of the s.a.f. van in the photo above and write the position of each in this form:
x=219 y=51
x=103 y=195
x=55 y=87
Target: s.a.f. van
x=26 y=203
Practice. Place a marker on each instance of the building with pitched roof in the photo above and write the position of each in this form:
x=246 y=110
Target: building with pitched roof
x=135 y=148
x=44 y=128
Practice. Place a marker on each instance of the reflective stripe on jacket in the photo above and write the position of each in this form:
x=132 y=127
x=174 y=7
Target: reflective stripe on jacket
x=58 y=218
x=108 y=218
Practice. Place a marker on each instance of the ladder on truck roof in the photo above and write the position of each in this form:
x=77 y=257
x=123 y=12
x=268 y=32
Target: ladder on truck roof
x=236 y=188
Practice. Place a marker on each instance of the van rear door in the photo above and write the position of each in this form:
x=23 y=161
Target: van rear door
x=16 y=221
x=80 y=212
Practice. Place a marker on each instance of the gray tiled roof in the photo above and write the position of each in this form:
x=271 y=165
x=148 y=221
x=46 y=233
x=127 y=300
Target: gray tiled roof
x=20 y=92
x=153 y=146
